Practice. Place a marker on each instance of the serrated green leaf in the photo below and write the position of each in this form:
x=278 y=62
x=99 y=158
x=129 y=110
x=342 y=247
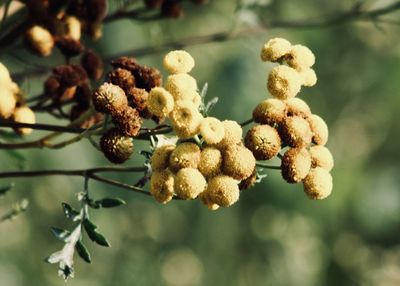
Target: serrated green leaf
x=94 y=235
x=4 y=190
x=59 y=233
x=69 y=212
x=83 y=252
x=111 y=202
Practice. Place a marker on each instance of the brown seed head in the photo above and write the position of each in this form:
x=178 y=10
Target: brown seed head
x=263 y=141
x=295 y=131
x=128 y=121
x=93 y=64
x=109 y=98
x=121 y=77
x=270 y=111
x=296 y=163
x=116 y=147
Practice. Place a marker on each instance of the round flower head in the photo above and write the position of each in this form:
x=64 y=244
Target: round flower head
x=189 y=183
x=116 y=147
x=162 y=186
x=270 y=111
x=263 y=141
x=5 y=78
x=128 y=121
x=321 y=157
x=7 y=102
x=309 y=78
x=275 y=49
x=319 y=130
x=109 y=98
x=232 y=134
x=186 y=119
x=212 y=130
x=160 y=102
x=284 y=82
x=24 y=114
x=223 y=191
x=318 y=184
x=178 y=62
x=300 y=57
x=295 y=131
x=210 y=162
x=73 y=27
x=122 y=77
x=40 y=40
x=206 y=199
x=298 y=107
x=160 y=158
x=185 y=155
x=296 y=163
x=239 y=162
x=182 y=86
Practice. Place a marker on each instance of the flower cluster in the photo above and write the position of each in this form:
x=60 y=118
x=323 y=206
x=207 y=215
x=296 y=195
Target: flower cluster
x=11 y=105
x=56 y=23
x=287 y=121
x=170 y=8
x=125 y=98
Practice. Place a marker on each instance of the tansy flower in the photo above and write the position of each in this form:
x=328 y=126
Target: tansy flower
x=238 y=162
x=295 y=131
x=128 y=121
x=300 y=57
x=308 y=76
x=212 y=130
x=24 y=114
x=185 y=119
x=73 y=27
x=116 y=147
x=223 y=191
x=321 y=157
x=109 y=98
x=263 y=141
x=210 y=162
x=7 y=102
x=270 y=111
x=160 y=102
x=298 y=107
x=296 y=164
x=284 y=82
x=162 y=186
x=189 y=183
x=275 y=49
x=5 y=78
x=40 y=40
x=181 y=86
x=319 y=129
x=232 y=134
x=178 y=62
x=121 y=77
x=185 y=155
x=318 y=184
x=160 y=158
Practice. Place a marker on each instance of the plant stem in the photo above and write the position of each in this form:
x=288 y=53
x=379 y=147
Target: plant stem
x=247 y=122
x=268 y=166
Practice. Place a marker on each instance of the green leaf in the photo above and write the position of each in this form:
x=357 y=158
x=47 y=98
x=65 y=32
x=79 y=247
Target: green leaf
x=204 y=90
x=83 y=252
x=111 y=202
x=210 y=105
x=95 y=236
x=4 y=190
x=69 y=212
x=59 y=233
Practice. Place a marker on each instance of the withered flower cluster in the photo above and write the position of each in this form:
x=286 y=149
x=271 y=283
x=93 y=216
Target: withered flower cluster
x=170 y=8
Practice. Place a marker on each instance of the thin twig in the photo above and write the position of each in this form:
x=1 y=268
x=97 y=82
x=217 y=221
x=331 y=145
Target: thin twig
x=268 y=166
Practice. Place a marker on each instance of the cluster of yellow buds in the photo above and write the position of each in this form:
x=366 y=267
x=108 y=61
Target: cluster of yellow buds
x=10 y=103
x=287 y=121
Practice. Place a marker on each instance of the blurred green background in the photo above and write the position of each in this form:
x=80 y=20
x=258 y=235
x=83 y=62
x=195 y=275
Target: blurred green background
x=274 y=235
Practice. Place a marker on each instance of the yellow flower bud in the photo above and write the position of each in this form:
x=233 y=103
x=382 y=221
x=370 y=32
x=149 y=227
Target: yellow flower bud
x=185 y=155
x=160 y=102
x=300 y=57
x=298 y=107
x=296 y=163
x=210 y=162
x=160 y=158
x=162 y=186
x=7 y=102
x=275 y=49
x=232 y=134
x=73 y=27
x=319 y=130
x=212 y=130
x=24 y=114
x=295 y=131
x=5 y=78
x=238 y=162
x=196 y=99
x=270 y=111
x=321 y=157
x=263 y=141
x=309 y=78
x=284 y=82
x=185 y=119
x=181 y=86
x=178 y=62
x=318 y=184
x=223 y=191
x=189 y=183
x=40 y=40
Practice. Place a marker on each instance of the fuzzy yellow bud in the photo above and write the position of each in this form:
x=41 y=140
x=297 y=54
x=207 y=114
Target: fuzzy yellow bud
x=321 y=157
x=160 y=158
x=300 y=57
x=40 y=40
x=162 y=186
x=238 y=162
x=223 y=191
x=160 y=102
x=232 y=134
x=181 y=86
x=309 y=78
x=185 y=119
x=319 y=130
x=178 y=62
x=284 y=82
x=7 y=102
x=296 y=132
x=263 y=141
x=185 y=155
x=318 y=184
x=189 y=183
x=270 y=111
x=275 y=49
x=24 y=114
x=212 y=130
x=298 y=107
x=73 y=27
x=210 y=162
x=5 y=78
x=296 y=164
